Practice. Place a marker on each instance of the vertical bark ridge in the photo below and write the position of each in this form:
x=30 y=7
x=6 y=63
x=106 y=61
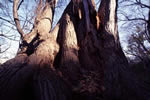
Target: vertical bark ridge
x=101 y=14
x=69 y=62
x=89 y=54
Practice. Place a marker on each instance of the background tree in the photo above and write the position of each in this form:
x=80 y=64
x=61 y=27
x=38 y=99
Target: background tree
x=138 y=45
x=137 y=24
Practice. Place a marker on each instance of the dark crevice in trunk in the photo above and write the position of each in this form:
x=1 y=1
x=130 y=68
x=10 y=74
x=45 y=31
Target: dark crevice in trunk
x=57 y=59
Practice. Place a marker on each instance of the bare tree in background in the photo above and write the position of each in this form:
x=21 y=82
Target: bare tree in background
x=138 y=24
x=138 y=45
x=80 y=58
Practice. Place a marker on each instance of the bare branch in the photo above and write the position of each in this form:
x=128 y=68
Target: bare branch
x=8 y=37
x=6 y=20
x=16 y=19
x=138 y=2
x=20 y=4
x=10 y=0
x=4 y=50
x=132 y=54
x=132 y=19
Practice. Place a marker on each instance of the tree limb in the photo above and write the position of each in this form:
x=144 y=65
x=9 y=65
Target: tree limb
x=132 y=54
x=6 y=20
x=20 y=4
x=133 y=19
x=8 y=37
x=16 y=19
x=138 y=2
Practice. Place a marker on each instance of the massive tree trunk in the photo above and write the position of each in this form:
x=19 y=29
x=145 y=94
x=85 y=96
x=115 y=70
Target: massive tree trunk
x=80 y=58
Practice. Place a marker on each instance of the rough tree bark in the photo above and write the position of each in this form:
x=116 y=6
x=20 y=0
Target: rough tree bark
x=120 y=82
x=80 y=58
